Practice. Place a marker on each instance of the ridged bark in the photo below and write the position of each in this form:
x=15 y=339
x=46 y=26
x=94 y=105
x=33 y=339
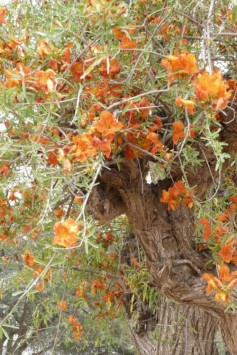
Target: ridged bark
x=229 y=332
x=180 y=330
x=168 y=240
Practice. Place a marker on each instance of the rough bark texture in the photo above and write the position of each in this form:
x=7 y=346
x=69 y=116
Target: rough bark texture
x=167 y=238
x=144 y=344
x=185 y=330
x=229 y=332
x=179 y=329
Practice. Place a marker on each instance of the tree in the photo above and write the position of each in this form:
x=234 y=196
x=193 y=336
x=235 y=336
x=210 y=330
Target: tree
x=118 y=167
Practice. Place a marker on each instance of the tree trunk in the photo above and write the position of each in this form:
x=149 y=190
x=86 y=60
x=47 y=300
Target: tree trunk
x=185 y=330
x=143 y=344
x=180 y=330
x=229 y=332
x=176 y=268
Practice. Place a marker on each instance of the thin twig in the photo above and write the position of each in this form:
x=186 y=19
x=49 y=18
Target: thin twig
x=136 y=97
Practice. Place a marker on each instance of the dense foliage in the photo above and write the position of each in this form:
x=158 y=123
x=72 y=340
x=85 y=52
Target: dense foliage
x=93 y=86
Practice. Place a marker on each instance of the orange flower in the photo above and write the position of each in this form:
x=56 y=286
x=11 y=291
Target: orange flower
x=135 y=262
x=38 y=271
x=234 y=199
x=67 y=53
x=39 y=287
x=223 y=217
x=21 y=74
x=88 y=145
x=97 y=285
x=104 y=146
x=28 y=258
x=77 y=330
x=167 y=197
x=80 y=292
x=157 y=124
x=109 y=68
x=62 y=305
x=3 y=12
x=83 y=147
x=228 y=213
x=43 y=48
x=177 y=195
x=107 y=125
x=144 y=107
x=222 y=297
x=109 y=297
x=44 y=80
x=222 y=286
x=53 y=64
x=152 y=138
x=77 y=70
x=104 y=91
x=71 y=319
x=219 y=233
x=226 y=252
x=224 y=273
x=211 y=286
x=52 y=159
x=76 y=326
x=178 y=131
x=182 y=65
x=109 y=237
x=39 y=139
x=5 y=169
x=127 y=43
x=207 y=228
x=118 y=33
x=188 y=104
x=66 y=232
x=212 y=88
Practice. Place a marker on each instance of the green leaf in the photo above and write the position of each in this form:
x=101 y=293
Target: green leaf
x=3 y=332
x=145 y=293
x=234 y=14
x=17 y=293
x=92 y=66
x=10 y=326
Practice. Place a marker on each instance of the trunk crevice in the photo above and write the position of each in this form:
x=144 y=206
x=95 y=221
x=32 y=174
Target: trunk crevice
x=167 y=238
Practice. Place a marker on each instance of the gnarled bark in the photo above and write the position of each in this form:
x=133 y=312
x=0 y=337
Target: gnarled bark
x=167 y=237
x=185 y=330
x=228 y=327
x=179 y=329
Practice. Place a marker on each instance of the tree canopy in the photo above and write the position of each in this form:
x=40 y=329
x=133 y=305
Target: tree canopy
x=118 y=172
